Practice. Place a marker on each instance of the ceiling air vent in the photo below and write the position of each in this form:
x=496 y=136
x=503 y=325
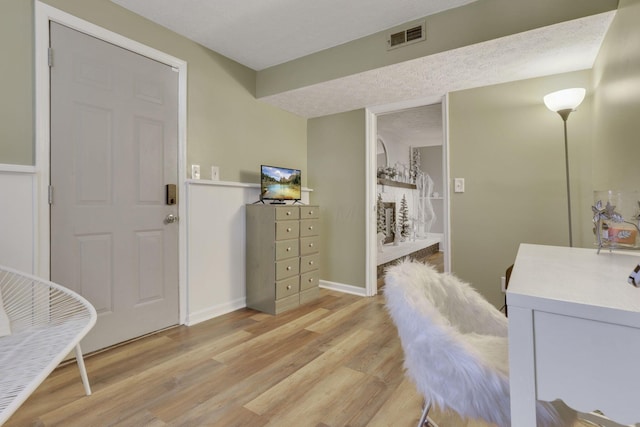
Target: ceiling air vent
x=407 y=36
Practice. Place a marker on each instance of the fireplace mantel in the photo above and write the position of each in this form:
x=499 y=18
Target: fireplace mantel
x=392 y=183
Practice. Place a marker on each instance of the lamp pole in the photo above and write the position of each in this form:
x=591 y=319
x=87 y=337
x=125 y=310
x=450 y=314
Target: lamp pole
x=564 y=102
x=565 y=115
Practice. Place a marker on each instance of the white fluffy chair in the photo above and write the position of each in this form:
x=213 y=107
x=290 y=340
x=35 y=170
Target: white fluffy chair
x=455 y=344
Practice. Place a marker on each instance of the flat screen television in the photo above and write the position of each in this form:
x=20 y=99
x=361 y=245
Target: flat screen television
x=279 y=184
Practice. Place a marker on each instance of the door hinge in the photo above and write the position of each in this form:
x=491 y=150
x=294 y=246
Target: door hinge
x=50 y=57
x=50 y=195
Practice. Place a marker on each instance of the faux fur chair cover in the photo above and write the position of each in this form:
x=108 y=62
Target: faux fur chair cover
x=455 y=344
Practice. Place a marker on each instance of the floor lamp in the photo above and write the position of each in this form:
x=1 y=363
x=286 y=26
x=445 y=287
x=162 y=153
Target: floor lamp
x=564 y=102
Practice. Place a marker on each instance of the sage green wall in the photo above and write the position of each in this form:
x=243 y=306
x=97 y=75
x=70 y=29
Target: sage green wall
x=226 y=125
x=517 y=195
x=510 y=149
x=336 y=169
x=16 y=82
x=476 y=22
x=617 y=103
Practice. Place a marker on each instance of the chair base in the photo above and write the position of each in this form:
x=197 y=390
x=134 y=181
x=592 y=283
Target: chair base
x=425 y=421
x=83 y=370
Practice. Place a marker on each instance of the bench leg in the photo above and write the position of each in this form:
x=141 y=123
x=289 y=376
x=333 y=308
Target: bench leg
x=83 y=371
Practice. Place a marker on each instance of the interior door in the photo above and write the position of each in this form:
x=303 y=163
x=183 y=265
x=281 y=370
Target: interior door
x=114 y=146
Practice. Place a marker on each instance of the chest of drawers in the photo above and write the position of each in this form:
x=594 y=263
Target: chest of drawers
x=282 y=250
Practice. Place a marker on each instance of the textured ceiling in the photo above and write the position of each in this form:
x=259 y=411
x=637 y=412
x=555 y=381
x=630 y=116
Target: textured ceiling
x=263 y=33
x=415 y=127
x=559 y=48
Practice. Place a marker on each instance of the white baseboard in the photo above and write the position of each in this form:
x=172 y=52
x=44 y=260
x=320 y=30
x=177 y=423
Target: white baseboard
x=341 y=287
x=218 y=310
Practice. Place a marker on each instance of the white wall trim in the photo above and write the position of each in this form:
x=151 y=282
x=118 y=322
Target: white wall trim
x=404 y=105
x=222 y=183
x=371 y=133
x=232 y=184
x=215 y=311
x=43 y=15
x=446 y=184
x=5 y=168
x=341 y=287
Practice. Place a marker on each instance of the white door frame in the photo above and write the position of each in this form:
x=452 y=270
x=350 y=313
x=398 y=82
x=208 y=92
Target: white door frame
x=371 y=189
x=42 y=239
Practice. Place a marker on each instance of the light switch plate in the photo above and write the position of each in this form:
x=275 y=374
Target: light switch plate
x=215 y=173
x=458 y=185
x=195 y=171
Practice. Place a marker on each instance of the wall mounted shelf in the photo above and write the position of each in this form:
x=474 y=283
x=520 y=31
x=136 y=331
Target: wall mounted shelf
x=392 y=183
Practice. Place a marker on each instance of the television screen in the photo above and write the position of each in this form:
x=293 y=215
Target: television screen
x=279 y=184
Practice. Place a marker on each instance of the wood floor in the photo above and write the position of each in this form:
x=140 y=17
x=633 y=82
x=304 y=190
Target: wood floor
x=436 y=260
x=334 y=362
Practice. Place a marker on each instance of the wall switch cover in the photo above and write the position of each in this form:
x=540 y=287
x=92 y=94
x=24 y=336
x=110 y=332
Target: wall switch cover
x=215 y=173
x=458 y=185
x=195 y=171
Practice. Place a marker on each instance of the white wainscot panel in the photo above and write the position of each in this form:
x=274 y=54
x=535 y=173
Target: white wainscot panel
x=17 y=217
x=216 y=246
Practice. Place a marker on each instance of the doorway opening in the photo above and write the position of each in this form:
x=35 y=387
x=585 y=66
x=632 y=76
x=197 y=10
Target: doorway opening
x=407 y=168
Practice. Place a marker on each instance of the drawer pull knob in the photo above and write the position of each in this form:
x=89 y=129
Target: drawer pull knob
x=310 y=245
x=289 y=249
x=289 y=287
x=310 y=280
x=288 y=229
x=288 y=212
x=310 y=212
x=311 y=227
x=289 y=267
x=310 y=262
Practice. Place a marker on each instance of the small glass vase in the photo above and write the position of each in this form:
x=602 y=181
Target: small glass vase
x=616 y=219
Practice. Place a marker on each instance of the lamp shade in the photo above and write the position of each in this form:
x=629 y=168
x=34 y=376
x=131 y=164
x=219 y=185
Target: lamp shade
x=566 y=99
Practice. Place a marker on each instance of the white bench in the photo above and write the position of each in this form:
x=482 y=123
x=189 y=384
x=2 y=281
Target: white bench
x=46 y=321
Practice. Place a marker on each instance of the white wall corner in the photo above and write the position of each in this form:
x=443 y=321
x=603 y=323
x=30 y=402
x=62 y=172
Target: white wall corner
x=341 y=287
x=215 y=311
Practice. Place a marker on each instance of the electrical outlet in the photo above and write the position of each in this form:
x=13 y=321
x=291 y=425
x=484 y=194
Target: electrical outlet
x=215 y=173
x=458 y=185
x=503 y=284
x=195 y=171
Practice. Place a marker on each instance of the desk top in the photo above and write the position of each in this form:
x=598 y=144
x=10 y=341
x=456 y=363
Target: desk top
x=576 y=282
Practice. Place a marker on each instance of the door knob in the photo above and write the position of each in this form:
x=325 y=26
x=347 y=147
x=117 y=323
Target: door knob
x=171 y=218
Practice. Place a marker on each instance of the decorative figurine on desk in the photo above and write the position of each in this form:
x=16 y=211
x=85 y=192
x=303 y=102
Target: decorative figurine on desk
x=611 y=229
x=634 y=277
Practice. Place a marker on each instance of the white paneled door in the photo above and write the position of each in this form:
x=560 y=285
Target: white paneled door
x=114 y=144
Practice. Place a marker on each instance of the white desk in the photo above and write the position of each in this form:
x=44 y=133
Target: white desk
x=574 y=332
